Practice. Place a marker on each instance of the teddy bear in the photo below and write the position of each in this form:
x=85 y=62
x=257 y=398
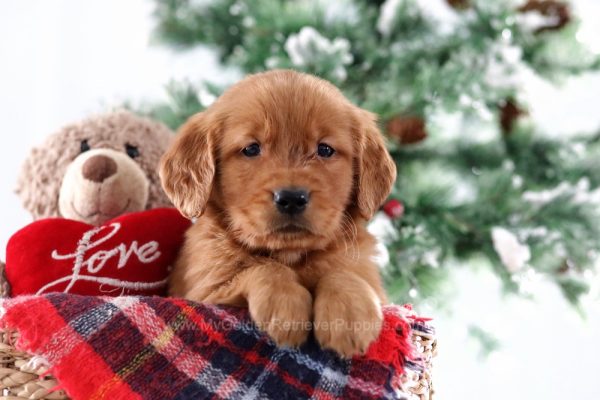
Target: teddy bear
x=96 y=169
x=83 y=176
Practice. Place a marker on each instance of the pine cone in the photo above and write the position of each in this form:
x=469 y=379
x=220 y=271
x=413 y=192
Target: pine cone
x=459 y=4
x=407 y=130
x=549 y=8
x=509 y=113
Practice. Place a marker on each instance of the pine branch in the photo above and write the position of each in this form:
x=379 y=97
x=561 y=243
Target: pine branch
x=401 y=62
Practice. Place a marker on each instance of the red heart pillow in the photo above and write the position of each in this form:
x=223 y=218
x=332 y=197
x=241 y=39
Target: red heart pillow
x=129 y=255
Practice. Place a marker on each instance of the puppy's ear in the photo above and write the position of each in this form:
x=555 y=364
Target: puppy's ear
x=187 y=169
x=376 y=169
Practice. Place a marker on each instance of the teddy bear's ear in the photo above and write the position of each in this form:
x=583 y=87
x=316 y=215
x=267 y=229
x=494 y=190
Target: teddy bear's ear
x=39 y=182
x=187 y=169
x=42 y=173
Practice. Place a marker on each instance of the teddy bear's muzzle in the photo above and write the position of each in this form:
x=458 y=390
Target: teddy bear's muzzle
x=102 y=184
x=99 y=168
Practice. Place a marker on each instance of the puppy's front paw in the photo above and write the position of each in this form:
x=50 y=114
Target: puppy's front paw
x=283 y=312
x=347 y=322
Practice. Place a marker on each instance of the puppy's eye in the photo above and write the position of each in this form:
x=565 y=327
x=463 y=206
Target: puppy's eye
x=84 y=146
x=325 y=150
x=251 y=151
x=132 y=151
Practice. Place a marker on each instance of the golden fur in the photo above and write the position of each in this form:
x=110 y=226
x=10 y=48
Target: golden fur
x=321 y=276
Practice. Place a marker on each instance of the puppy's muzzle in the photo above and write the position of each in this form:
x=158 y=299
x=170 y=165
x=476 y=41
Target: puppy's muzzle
x=291 y=201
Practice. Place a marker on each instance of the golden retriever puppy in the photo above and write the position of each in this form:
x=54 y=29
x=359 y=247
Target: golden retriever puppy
x=284 y=172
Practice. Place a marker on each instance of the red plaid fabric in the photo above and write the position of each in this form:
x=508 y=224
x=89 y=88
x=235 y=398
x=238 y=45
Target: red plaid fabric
x=161 y=348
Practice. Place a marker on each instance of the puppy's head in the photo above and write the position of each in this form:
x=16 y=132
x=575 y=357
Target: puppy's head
x=284 y=158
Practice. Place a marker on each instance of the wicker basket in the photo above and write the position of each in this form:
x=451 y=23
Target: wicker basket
x=23 y=376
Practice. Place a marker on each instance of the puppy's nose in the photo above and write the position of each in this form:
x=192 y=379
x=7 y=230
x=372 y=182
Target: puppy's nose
x=99 y=168
x=291 y=201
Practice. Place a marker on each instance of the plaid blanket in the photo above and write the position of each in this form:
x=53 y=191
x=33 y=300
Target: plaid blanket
x=162 y=348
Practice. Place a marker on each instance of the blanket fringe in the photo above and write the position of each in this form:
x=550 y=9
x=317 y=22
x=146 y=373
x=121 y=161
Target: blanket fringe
x=394 y=345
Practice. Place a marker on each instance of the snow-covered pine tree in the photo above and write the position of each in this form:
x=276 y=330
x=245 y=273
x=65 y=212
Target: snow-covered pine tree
x=477 y=180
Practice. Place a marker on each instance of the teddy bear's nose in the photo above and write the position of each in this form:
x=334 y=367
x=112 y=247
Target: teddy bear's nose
x=99 y=168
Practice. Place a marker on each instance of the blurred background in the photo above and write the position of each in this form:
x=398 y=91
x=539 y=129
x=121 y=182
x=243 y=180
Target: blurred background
x=491 y=109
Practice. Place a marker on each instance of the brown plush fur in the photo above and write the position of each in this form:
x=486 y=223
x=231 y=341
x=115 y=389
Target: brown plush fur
x=237 y=254
x=42 y=174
